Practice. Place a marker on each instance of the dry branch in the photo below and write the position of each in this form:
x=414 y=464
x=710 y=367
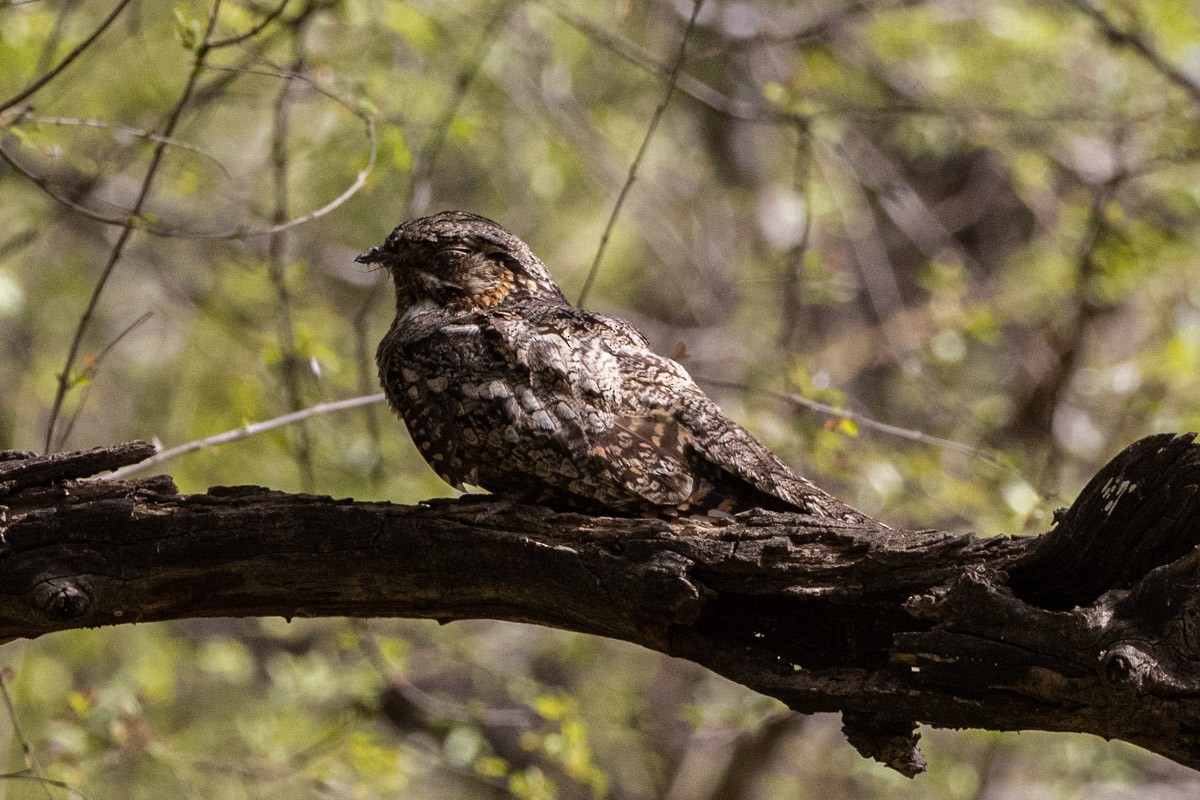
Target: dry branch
x=1089 y=628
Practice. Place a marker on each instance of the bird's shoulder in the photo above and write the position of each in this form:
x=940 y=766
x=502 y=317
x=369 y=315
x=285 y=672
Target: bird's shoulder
x=601 y=354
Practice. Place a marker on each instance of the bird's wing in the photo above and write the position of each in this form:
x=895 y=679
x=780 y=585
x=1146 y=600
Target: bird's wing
x=570 y=411
x=696 y=423
x=723 y=442
x=643 y=420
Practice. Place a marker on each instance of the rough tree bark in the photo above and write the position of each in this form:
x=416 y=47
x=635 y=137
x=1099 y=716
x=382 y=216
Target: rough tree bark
x=1093 y=627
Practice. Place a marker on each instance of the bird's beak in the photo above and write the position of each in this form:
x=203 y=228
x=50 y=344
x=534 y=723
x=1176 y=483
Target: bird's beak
x=372 y=256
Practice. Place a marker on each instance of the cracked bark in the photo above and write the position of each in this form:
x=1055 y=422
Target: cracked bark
x=1093 y=627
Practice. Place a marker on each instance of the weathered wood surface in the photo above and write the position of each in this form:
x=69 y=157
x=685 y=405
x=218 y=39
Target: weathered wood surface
x=1093 y=627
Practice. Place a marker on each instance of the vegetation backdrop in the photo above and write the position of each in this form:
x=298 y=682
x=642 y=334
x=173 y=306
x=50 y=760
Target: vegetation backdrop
x=938 y=254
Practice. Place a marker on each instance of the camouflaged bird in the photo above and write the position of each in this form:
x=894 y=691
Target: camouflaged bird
x=504 y=385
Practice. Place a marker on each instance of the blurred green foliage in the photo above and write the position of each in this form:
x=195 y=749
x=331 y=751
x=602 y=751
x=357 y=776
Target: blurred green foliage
x=972 y=220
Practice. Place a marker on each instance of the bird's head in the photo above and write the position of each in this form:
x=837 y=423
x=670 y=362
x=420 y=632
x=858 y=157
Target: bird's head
x=462 y=263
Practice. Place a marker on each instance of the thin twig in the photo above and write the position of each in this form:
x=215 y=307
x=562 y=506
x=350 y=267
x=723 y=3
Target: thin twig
x=637 y=160
x=1037 y=409
x=738 y=108
x=17 y=242
x=254 y=31
x=249 y=429
x=138 y=132
x=25 y=775
x=130 y=328
x=462 y=84
x=867 y=422
x=50 y=46
x=64 y=378
x=1139 y=44
x=217 y=86
x=816 y=31
x=29 y=90
x=30 y=757
x=873 y=263
x=277 y=255
x=423 y=166
x=276 y=71
x=791 y=299
x=93 y=368
x=44 y=185
x=240 y=232
x=364 y=367
x=360 y=179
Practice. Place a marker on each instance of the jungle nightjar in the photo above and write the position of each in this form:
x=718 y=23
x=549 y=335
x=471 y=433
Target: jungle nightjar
x=504 y=385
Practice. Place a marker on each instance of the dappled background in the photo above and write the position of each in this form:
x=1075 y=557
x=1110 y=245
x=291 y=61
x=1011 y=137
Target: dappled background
x=939 y=255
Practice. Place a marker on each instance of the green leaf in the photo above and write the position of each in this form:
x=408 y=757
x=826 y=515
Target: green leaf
x=187 y=28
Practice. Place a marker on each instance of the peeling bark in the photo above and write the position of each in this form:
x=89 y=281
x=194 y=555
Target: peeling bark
x=1093 y=627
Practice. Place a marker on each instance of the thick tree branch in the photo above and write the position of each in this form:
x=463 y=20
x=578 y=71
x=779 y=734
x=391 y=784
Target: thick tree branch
x=1090 y=628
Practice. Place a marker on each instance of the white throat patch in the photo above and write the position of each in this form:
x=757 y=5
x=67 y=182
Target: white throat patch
x=418 y=308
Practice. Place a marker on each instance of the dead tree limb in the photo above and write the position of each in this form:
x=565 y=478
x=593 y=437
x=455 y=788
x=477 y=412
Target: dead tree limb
x=1093 y=627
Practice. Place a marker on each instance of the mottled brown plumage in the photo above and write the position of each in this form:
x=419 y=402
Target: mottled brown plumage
x=505 y=386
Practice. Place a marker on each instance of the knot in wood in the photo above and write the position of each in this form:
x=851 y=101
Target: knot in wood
x=665 y=585
x=64 y=599
x=1127 y=665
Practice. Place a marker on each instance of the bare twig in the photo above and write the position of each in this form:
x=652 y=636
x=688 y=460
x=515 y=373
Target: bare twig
x=254 y=31
x=815 y=31
x=44 y=185
x=897 y=197
x=365 y=369
x=64 y=378
x=251 y=52
x=26 y=775
x=871 y=258
x=867 y=422
x=791 y=300
x=138 y=132
x=276 y=71
x=1140 y=45
x=130 y=328
x=32 y=88
x=54 y=39
x=249 y=429
x=133 y=219
x=277 y=255
x=93 y=367
x=17 y=242
x=1034 y=417
x=672 y=76
x=432 y=149
x=738 y=108
x=360 y=179
x=31 y=760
